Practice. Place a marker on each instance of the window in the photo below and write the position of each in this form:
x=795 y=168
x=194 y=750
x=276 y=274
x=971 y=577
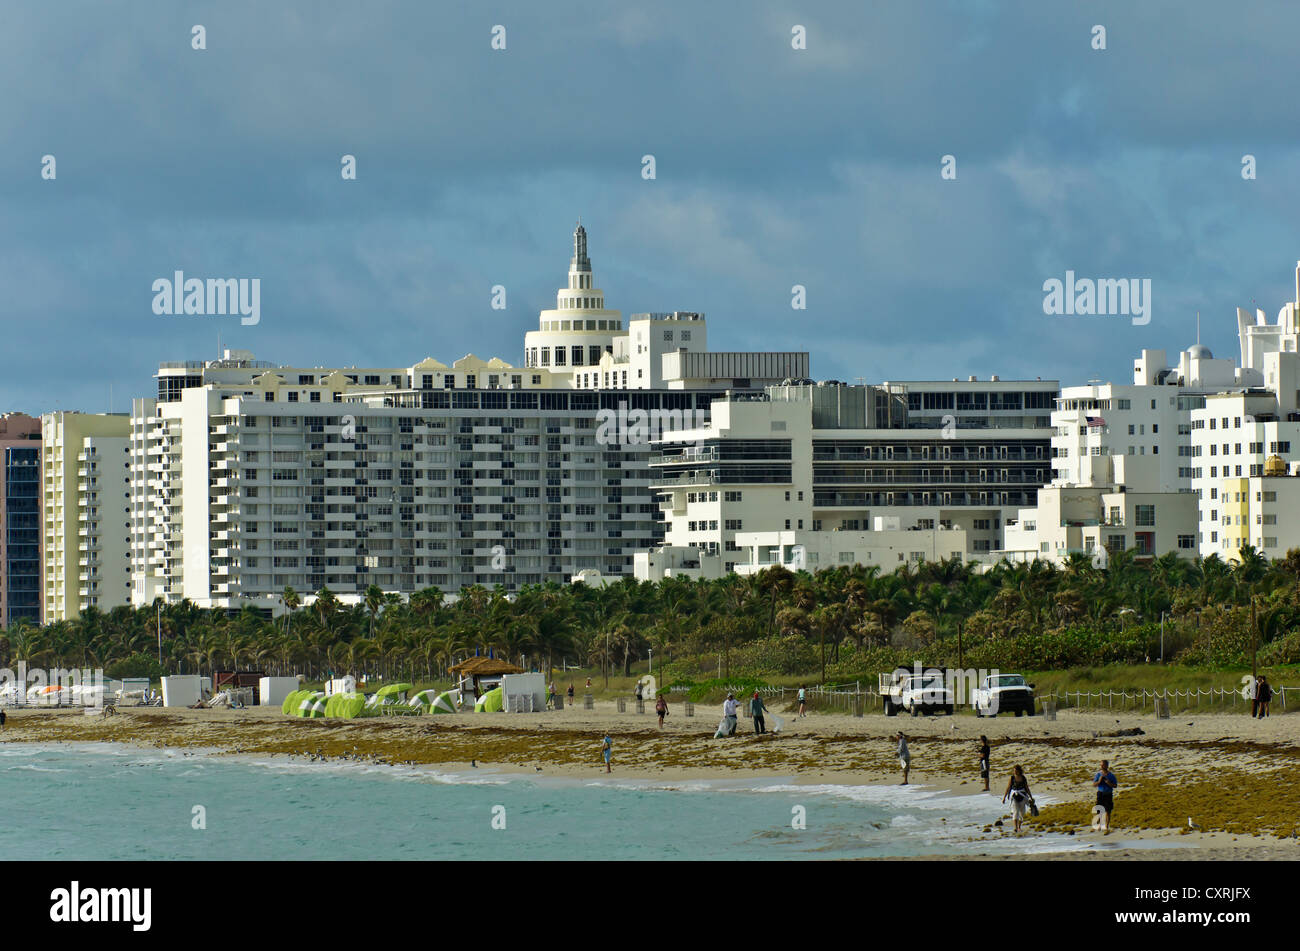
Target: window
x=1144 y=515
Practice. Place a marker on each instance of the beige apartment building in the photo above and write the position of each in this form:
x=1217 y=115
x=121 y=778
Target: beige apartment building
x=85 y=490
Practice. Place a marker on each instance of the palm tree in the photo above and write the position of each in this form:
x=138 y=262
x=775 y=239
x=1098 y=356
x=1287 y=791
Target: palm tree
x=374 y=601
x=291 y=601
x=777 y=582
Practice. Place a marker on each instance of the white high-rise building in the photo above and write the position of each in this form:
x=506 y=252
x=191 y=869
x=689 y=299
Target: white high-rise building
x=1159 y=466
x=250 y=477
x=942 y=463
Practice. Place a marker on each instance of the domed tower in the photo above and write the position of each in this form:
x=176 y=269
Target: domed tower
x=572 y=338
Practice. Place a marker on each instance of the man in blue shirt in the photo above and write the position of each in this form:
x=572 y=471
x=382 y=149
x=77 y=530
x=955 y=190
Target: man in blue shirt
x=1105 y=783
x=756 y=710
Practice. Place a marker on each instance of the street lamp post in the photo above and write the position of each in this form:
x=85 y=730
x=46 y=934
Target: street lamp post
x=1162 y=635
x=159 y=606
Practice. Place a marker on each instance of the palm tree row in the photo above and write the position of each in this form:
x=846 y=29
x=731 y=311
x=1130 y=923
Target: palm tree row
x=613 y=626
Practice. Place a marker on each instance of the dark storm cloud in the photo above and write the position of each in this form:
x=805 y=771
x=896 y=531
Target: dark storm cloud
x=775 y=168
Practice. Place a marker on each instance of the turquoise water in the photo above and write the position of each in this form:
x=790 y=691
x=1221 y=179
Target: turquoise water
x=105 y=801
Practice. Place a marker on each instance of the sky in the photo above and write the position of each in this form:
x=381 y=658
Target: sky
x=774 y=167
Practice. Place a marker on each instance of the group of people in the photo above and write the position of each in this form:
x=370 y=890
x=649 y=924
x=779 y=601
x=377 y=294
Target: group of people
x=1018 y=791
x=1261 y=695
x=730 y=709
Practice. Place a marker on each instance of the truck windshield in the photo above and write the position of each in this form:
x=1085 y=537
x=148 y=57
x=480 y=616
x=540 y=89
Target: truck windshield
x=1008 y=680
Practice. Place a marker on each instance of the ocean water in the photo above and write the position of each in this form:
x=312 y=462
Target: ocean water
x=106 y=801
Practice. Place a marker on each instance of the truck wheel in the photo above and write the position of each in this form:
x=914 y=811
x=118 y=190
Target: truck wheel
x=890 y=709
x=1020 y=712
x=949 y=709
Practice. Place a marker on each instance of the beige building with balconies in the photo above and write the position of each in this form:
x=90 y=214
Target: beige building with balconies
x=85 y=495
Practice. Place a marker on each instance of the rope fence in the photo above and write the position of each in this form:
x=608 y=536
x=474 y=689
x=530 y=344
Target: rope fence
x=1192 y=698
x=855 y=696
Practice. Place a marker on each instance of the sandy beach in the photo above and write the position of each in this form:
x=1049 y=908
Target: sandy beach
x=1238 y=779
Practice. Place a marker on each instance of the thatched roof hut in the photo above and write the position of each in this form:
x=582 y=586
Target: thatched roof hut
x=476 y=669
x=484 y=667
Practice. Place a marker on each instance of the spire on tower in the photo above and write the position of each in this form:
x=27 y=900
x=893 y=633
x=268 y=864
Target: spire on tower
x=580 y=260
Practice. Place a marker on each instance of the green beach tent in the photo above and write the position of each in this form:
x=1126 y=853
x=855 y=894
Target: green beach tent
x=490 y=702
x=445 y=702
x=430 y=701
x=307 y=706
x=290 y=706
x=345 y=705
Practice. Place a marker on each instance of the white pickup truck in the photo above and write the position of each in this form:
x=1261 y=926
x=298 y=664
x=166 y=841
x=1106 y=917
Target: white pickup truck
x=916 y=693
x=1003 y=693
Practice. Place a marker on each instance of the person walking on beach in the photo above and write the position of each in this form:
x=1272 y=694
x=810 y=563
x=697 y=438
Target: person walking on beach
x=729 y=708
x=756 y=709
x=1265 y=695
x=904 y=756
x=1021 y=797
x=661 y=708
x=803 y=702
x=551 y=696
x=1105 y=782
x=2 y=721
x=570 y=693
x=638 y=691
x=607 y=750
x=984 y=760
x=1254 y=697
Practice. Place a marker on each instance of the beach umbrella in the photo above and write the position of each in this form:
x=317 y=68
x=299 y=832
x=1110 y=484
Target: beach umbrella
x=391 y=691
x=490 y=702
